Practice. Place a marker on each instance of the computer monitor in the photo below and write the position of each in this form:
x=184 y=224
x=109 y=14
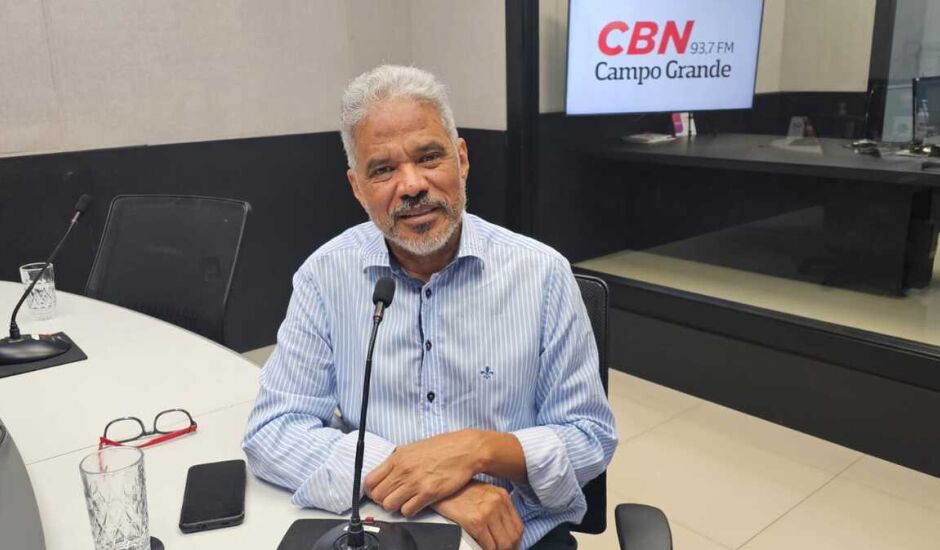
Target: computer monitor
x=643 y=56
x=898 y=126
x=927 y=92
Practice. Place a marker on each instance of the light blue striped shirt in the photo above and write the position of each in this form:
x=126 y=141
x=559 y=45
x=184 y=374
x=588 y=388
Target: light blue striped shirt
x=498 y=340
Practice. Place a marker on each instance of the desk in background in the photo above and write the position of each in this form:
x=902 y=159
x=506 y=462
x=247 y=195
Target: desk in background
x=879 y=218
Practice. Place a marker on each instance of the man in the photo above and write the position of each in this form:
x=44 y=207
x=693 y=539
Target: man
x=486 y=403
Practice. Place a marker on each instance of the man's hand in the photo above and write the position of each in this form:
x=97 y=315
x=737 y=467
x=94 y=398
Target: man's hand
x=485 y=512
x=419 y=474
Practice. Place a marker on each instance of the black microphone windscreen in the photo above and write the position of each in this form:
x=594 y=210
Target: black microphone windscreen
x=384 y=291
x=83 y=203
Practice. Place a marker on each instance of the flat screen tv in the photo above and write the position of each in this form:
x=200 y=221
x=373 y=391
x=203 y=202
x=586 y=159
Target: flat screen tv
x=647 y=56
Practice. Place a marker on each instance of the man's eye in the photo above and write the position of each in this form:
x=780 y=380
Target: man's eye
x=430 y=157
x=381 y=170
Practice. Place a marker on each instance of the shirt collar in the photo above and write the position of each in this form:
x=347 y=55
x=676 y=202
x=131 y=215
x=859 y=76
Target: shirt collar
x=375 y=251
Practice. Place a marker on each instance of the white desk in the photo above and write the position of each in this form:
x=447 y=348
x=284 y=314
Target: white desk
x=139 y=366
x=136 y=365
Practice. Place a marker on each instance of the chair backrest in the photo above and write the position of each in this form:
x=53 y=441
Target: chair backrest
x=642 y=527
x=172 y=257
x=596 y=298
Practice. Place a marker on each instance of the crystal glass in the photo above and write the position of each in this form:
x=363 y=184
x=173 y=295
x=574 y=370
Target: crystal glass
x=41 y=301
x=116 y=497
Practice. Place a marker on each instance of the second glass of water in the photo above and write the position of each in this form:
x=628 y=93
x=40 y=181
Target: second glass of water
x=41 y=301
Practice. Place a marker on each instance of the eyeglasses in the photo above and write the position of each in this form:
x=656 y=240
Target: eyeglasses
x=168 y=424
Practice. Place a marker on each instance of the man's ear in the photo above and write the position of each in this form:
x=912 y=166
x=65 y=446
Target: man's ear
x=464 y=157
x=354 y=183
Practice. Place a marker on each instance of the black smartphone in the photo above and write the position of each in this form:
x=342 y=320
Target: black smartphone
x=214 y=496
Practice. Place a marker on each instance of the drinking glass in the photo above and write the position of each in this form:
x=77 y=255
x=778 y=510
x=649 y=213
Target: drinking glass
x=116 y=497
x=41 y=301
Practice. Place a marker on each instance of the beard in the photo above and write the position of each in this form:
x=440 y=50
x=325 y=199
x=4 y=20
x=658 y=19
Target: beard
x=427 y=241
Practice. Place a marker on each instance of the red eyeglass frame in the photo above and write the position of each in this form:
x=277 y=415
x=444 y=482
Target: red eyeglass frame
x=104 y=441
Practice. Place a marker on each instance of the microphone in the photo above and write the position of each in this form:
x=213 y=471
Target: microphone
x=17 y=348
x=376 y=534
x=82 y=206
x=382 y=298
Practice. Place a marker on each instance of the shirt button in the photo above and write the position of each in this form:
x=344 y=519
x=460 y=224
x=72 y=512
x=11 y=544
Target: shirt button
x=427 y=293
x=431 y=397
x=427 y=345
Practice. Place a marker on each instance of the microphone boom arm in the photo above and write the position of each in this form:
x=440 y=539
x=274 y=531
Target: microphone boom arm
x=356 y=533
x=14 y=328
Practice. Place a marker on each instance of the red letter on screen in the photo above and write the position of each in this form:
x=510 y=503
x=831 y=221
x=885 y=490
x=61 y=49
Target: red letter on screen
x=645 y=32
x=672 y=33
x=602 y=43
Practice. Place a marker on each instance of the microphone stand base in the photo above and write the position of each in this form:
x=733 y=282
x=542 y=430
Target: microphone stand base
x=379 y=535
x=26 y=349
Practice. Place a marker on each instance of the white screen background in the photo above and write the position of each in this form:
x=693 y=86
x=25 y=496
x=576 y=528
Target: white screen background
x=736 y=21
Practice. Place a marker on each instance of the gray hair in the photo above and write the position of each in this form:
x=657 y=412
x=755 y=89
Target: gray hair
x=385 y=82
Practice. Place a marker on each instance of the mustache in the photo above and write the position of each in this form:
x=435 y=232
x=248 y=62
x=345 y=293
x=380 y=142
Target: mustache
x=411 y=203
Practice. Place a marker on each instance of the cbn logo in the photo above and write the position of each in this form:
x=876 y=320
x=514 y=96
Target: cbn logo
x=644 y=37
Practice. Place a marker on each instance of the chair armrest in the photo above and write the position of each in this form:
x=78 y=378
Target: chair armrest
x=642 y=527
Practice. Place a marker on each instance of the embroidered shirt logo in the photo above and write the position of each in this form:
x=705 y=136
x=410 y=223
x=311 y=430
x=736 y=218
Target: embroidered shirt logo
x=487 y=373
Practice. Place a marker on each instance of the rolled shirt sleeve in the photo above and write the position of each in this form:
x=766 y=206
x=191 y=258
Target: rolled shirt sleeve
x=552 y=484
x=288 y=440
x=575 y=435
x=329 y=487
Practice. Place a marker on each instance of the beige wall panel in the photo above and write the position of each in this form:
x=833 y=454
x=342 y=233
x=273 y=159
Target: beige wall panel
x=553 y=51
x=231 y=69
x=464 y=44
x=827 y=45
x=135 y=72
x=29 y=117
x=131 y=72
x=771 y=47
x=379 y=33
x=100 y=65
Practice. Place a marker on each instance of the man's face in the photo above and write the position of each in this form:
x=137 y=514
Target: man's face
x=409 y=176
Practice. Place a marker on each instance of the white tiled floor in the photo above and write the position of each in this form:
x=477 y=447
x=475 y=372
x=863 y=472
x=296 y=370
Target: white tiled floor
x=727 y=480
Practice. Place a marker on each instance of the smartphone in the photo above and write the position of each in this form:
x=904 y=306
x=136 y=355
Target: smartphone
x=214 y=496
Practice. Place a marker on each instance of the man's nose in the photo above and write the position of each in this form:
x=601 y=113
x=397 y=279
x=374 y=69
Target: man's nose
x=412 y=182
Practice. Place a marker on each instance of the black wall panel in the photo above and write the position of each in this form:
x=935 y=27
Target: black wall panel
x=296 y=185
x=869 y=413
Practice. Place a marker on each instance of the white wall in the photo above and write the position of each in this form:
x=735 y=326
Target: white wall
x=87 y=74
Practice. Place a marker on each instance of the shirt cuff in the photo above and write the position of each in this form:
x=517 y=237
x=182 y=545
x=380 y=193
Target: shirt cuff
x=330 y=486
x=552 y=482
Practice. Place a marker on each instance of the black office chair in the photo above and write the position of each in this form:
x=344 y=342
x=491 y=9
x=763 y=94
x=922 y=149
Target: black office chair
x=642 y=527
x=639 y=527
x=596 y=299
x=172 y=257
